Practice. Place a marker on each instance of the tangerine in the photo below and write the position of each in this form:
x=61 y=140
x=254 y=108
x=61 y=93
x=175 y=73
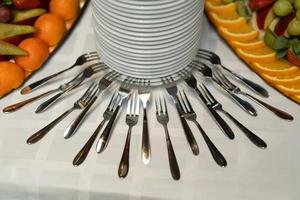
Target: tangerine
x=51 y=28
x=11 y=76
x=67 y=9
x=38 y=53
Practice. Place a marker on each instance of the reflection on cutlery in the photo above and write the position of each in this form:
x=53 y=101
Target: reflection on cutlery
x=171 y=88
x=192 y=83
x=215 y=59
x=207 y=72
x=86 y=73
x=132 y=116
x=163 y=118
x=79 y=104
x=88 y=57
x=102 y=85
x=83 y=153
x=212 y=102
x=235 y=89
x=123 y=93
x=144 y=95
x=188 y=112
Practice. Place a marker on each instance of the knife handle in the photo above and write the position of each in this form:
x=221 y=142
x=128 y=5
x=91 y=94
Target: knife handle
x=245 y=105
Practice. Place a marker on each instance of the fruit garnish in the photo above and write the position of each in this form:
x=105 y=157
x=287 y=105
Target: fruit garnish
x=26 y=4
x=11 y=76
x=21 y=15
x=264 y=17
x=278 y=67
x=252 y=44
x=282 y=8
x=258 y=4
x=297 y=4
x=9 y=30
x=5 y=14
x=293 y=58
x=244 y=33
x=289 y=79
x=283 y=23
x=264 y=54
x=51 y=28
x=38 y=52
x=270 y=39
x=243 y=10
x=228 y=20
x=67 y=9
x=11 y=50
x=294 y=28
x=15 y=40
x=290 y=89
x=220 y=8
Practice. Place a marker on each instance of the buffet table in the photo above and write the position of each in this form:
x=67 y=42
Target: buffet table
x=45 y=171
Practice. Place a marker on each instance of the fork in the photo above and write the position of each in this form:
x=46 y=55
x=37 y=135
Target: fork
x=123 y=93
x=216 y=60
x=144 y=95
x=87 y=57
x=83 y=153
x=86 y=73
x=191 y=81
x=212 y=102
x=163 y=118
x=102 y=85
x=235 y=89
x=132 y=117
x=189 y=113
x=172 y=89
x=208 y=73
x=79 y=104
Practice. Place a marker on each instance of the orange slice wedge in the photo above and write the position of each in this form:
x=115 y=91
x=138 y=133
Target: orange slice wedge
x=290 y=79
x=219 y=7
x=242 y=34
x=296 y=98
x=232 y=20
x=249 y=45
x=278 y=67
x=264 y=54
x=290 y=90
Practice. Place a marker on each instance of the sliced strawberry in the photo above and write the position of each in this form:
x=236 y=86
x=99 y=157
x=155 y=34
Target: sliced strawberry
x=3 y=58
x=26 y=4
x=29 y=22
x=259 y=4
x=44 y=4
x=293 y=58
x=16 y=40
x=283 y=23
x=261 y=16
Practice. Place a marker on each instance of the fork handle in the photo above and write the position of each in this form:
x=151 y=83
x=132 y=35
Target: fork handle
x=43 y=81
x=83 y=153
x=19 y=105
x=105 y=136
x=172 y=158
x=250 y=84
x=41 y=133
x=276 y=111
x=146 y=149
x=72 y=128
x=216 y=154
x=124 y=163
x=252 y=137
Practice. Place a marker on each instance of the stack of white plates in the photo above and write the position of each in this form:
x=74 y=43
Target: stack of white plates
x=147 y=38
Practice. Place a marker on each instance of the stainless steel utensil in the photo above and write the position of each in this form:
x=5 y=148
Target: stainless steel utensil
x=189 y=113
x=132 y=116
x=104 y=82
x=163 y=118
x=144 y=95
x=85 y=58
x=216 y=60
x=212 y=102
x=83 y=153
x=79 y=104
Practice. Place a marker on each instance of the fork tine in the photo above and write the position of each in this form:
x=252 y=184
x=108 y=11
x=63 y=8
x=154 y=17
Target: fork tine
x=112 y=101
x=187 y=101
x=133 y=104
x=183 y=102
x=181 y=110
x=88 y=91
x=156 y=106
x=137 y=106
x=165 y=104
x=209 y=94
x=204 y=94
x=206 y=51
x=129 y=105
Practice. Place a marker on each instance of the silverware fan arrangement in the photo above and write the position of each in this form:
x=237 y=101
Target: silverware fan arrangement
x=136 y=93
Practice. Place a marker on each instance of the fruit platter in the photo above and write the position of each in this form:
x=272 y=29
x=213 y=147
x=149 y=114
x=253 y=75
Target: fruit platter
x=31 y=31
x=265 y=34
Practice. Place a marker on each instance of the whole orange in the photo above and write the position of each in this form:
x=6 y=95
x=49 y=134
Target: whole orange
x=67 y=9
x=38 y=52
x=11 y=76
x=51 y=28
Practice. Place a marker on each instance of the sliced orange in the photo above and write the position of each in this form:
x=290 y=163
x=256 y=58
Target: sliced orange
x=264 y=54
x=290 y=89
x=290 y=79
x=279 y=67
x=252 y=44
x=242 y=34
x=232 y=19
x=296 y=98
x=219 y=7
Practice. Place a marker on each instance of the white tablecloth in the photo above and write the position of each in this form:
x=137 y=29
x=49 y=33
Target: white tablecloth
x=44 y=170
